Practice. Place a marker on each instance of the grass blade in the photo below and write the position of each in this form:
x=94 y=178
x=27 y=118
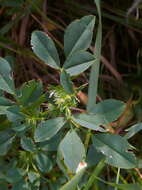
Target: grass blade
x=94 y=75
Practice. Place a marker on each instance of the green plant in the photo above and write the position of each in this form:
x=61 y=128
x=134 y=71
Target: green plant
x=43 y=144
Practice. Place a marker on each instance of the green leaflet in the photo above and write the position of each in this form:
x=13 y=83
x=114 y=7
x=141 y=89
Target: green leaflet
x=115 y=148
x=6 y=81
x=72 y=150
x=43 y=162
x=6 y=139
x=45 y=49
x=28 y=144
x=30 y=92
x=89 y=121
x=109 y=110
x=78 y=62
x=78 y=35
x=48 y=129
x=66 y=82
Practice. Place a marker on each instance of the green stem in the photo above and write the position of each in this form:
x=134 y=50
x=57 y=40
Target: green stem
x=95 y=173
x=117 y=177
x=120 y=177
x=87 y=140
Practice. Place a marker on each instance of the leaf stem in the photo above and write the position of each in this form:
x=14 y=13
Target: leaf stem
x=120 y=176
x=87 y=140
x=95 y=173
x=117 y=178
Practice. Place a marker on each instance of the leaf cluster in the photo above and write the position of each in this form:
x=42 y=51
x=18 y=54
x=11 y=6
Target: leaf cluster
x=43 y=145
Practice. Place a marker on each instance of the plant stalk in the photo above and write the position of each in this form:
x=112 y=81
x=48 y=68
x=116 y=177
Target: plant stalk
x=117 y=178
x=95 y=173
